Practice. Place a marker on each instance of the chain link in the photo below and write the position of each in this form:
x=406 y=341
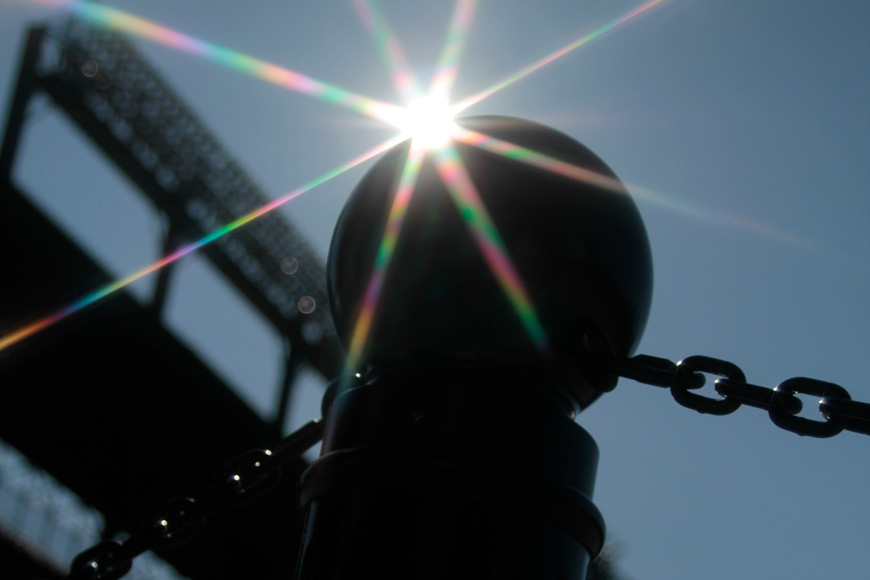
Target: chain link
x=687 y=368
x=241 y=480
x=651 y=370
x=836 y=406
x=253 y=473
x=851 y=415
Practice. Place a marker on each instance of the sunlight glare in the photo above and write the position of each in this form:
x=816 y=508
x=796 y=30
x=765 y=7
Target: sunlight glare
x=395 y=221
x=489 y=241
x=113 y=19
x=428 y=121
x=541 y=63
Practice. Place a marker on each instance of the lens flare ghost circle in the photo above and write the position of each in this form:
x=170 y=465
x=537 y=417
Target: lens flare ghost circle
x=428 y=120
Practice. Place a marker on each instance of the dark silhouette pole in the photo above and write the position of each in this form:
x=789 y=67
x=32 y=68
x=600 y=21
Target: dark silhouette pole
x=454 y=452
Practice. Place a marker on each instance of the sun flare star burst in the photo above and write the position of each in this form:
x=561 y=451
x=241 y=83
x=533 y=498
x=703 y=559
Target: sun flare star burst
x=428 y=120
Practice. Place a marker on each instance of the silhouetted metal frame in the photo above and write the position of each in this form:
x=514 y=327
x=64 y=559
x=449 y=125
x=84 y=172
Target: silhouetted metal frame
x=24 y=91
x=256 y=247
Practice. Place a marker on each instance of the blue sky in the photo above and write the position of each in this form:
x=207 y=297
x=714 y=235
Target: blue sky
x=752 y=118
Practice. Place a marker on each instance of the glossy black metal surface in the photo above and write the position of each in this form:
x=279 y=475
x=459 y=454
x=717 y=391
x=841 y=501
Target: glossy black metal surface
x=581 y=250
x=445 y=470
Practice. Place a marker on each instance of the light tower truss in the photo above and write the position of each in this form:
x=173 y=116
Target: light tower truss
x=100 y=81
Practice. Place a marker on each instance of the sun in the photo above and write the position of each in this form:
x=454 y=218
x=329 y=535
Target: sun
x=428 y=121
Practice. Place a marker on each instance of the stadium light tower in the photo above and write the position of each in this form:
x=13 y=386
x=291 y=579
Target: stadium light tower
x=453 y=453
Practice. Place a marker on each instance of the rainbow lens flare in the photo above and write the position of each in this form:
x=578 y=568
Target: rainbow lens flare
x=570 y=47
x=389 y=48
x=605 y=182
x=489 y=242
x=448 y=63
x=118 y=20
x=31 y=329
x=395 y=220
x=433 y=107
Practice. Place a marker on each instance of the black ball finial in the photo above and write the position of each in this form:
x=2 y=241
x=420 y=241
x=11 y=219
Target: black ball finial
x=578 y=246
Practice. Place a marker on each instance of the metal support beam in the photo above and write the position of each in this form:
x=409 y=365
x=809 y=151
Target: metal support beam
x=293 y=360
x=171 y=239
x=127 y=110
x=24 y=91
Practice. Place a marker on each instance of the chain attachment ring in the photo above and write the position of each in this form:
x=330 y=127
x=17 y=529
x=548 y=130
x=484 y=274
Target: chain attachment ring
x=653 y=370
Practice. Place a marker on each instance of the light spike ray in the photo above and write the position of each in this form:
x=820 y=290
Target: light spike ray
x=31 y=329
x=489 y=242
x=389 y=48
x=395 y=220
x=526 y=71
x=608 y=183
x=448 y=63
x=118 y=20
x=515 y=152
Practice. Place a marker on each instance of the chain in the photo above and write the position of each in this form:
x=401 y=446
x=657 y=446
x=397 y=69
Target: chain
x=840 y=412
x=253 y=473
x=241 y=480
